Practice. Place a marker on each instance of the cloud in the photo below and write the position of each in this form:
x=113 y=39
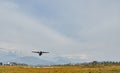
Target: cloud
x=65 y=27
x=23 y=33
x=77 y=56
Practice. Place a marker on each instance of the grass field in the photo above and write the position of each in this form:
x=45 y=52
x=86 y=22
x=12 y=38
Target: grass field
x=66 y=69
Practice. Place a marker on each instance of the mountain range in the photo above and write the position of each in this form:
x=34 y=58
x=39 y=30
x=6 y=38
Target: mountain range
x=32 y=60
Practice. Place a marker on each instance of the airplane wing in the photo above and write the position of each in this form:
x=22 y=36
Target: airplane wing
x=45 y=52
x=35 y=51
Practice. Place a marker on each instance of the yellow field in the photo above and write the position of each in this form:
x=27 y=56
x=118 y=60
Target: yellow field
x=68 y=69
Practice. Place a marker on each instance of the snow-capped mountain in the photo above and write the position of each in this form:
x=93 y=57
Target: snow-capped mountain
x=30 y=60
x=66 y=60
x=6 y=56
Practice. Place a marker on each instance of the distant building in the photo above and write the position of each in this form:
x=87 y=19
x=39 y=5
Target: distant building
x=12 y=63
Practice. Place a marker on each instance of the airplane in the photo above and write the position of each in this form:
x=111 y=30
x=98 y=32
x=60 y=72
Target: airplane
x=39 y=52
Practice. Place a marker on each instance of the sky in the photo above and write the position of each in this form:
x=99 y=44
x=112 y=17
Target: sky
x=88 y=29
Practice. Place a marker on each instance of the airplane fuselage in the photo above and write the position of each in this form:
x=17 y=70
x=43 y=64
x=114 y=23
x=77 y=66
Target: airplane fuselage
x=39 y=52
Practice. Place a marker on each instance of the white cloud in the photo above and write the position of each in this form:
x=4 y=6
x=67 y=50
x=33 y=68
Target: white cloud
x=78 y=56
x=23 y=33
x=92 y=25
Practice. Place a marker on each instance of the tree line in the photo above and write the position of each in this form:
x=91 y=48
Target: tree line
x=93 y=64
x=103 y=63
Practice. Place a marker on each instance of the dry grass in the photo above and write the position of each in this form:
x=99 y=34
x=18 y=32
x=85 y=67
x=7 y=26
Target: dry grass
x=67 y=69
